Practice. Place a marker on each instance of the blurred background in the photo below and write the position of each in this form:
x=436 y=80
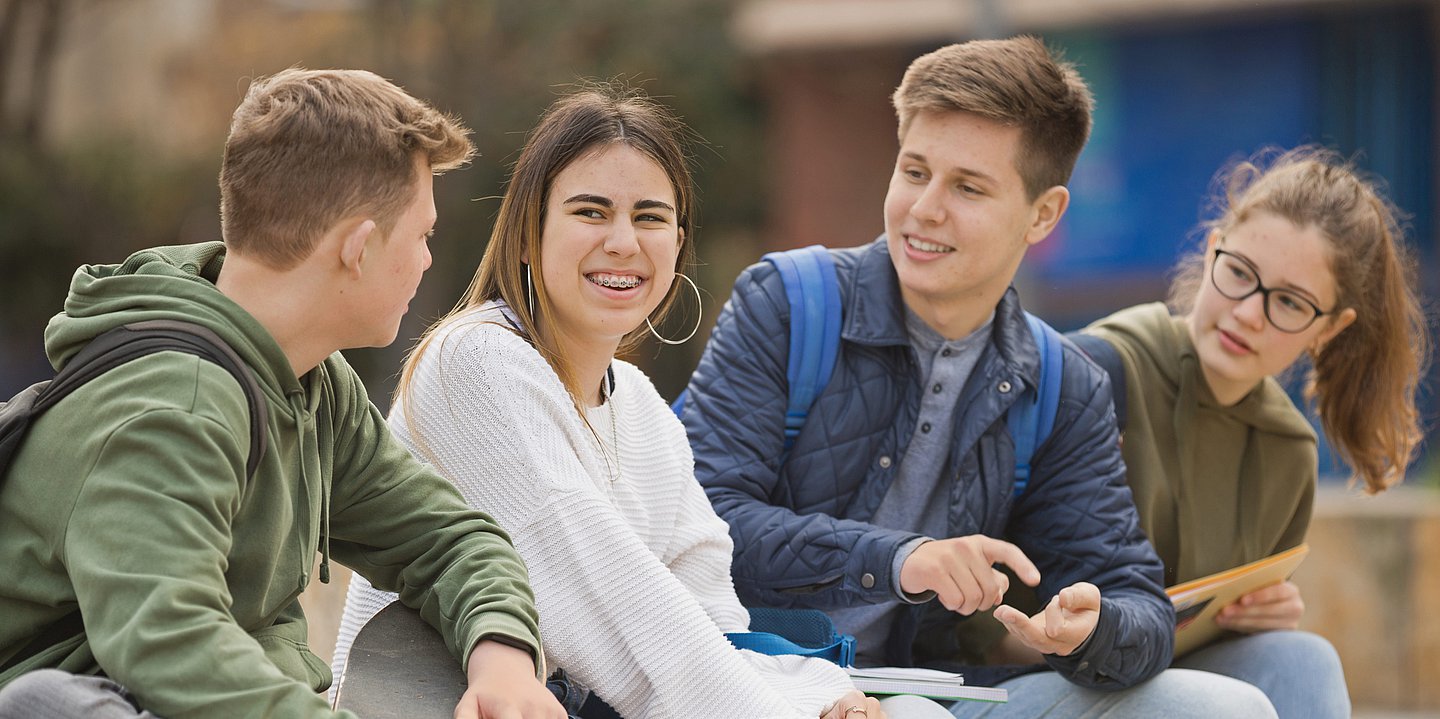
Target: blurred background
x=113 y=114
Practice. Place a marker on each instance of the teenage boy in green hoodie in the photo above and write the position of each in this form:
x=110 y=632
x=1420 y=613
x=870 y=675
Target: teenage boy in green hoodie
x=129 y=505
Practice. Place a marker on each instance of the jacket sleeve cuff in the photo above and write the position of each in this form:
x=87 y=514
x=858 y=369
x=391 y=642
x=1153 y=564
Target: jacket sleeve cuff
x=510 y=636
x=901 y=555
x=1096 y=663
x=870 y=572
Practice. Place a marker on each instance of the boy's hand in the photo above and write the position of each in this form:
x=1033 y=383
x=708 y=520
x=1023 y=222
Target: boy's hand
x=503 y=686
x=1064 y=624
x=961 y=571
x=1274 y=607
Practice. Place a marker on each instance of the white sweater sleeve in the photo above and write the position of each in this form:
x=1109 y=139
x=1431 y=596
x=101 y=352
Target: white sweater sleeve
x=489 y=412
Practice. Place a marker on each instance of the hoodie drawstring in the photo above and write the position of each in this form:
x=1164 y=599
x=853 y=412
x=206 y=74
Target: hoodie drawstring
x=324 y=532
x=304 y=416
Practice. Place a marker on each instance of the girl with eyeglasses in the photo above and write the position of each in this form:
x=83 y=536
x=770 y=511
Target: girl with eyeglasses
x=1305 y=262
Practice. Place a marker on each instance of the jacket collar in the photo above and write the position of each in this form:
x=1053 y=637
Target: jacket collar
x=876 y=314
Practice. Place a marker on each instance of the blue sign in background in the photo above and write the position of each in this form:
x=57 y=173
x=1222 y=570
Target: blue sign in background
x=1175 y=104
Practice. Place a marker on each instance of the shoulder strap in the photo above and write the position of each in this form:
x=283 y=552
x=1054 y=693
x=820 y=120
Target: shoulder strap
x=1104 y=354
x=132 y=341
x=805 y=632
x=104 y=353
x=813 y=292
x=1032 y=417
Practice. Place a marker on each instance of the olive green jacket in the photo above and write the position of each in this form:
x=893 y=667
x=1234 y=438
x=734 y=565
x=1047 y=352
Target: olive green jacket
x=129 y=501
x=1216 y=486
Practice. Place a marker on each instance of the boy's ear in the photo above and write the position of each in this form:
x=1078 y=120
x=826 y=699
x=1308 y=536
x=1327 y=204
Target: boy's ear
x=1048 y=208
x=353 y=241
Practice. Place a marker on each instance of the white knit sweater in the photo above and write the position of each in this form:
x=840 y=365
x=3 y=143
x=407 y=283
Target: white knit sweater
x=631 y=577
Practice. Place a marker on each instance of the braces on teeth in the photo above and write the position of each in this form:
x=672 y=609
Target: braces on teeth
x=621 y=283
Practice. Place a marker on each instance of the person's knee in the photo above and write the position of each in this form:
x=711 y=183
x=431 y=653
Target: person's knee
x=1205 y=695
x=1309 y=650
x=41 y=682
x=32 y=689
x=1238 y=699
x=905 y=706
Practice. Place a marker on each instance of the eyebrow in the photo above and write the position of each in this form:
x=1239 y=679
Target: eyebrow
x=604 y=201
x=1288 y=286
x=958 y=172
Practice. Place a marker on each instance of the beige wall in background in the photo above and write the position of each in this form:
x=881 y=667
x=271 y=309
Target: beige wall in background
x=323 y=604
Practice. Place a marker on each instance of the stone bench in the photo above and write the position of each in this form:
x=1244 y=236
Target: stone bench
x=399 y=668
x=1371 y=586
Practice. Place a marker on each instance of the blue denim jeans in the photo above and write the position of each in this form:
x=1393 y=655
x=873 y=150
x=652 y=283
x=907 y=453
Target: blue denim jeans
x=1299 y=671
x=1173 y=693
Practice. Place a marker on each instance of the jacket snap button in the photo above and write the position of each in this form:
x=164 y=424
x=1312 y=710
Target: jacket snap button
x=885 y=462
x=1004 y=387
x=867 y=580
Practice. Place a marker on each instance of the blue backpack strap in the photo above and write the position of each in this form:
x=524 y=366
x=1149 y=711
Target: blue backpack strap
x=813 y=293
x=1104 y=354
x=806 y=632
x=1032 y=417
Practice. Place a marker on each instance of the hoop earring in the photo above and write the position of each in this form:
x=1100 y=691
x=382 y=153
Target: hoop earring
x=699 y=315
x=530 y=291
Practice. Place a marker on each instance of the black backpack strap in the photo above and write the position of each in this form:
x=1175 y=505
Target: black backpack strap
x=106 y=352
x=137 y=339
x=1104 y=354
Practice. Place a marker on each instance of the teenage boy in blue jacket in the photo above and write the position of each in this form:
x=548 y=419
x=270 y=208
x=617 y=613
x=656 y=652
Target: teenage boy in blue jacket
x=900 y=487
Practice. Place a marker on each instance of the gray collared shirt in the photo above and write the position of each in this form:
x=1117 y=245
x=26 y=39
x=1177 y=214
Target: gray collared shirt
x=917 y=499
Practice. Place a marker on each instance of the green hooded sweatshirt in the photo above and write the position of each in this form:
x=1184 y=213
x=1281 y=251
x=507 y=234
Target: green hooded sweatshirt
x=1216 y=486
x=129 y=501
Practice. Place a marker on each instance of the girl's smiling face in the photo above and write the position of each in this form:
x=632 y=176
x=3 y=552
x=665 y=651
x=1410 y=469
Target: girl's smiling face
x=609 y=245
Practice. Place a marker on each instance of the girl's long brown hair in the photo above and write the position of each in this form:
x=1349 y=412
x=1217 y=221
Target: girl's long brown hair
x=1363 y=381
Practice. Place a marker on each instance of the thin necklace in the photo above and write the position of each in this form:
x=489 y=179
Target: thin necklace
x=609 y=394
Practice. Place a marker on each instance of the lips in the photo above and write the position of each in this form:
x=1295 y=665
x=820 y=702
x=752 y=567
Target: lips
x=1233 y=342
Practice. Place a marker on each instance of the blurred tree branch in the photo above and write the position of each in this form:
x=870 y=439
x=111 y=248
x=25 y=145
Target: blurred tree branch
x=46 y=46
x=47 y=17
x=9 y=32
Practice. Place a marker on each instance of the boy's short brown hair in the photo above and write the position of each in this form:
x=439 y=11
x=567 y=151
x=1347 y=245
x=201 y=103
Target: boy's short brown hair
x=308 y=148
x=1015 y=82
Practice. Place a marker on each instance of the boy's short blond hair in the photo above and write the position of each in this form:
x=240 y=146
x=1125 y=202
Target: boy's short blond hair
x=1016 y=82
x=308 y=148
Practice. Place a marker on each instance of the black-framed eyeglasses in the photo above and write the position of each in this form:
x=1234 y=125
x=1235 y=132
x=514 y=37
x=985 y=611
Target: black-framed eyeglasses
x=1237 y=279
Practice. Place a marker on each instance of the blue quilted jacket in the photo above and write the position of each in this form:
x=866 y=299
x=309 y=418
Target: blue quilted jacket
x=800 y=522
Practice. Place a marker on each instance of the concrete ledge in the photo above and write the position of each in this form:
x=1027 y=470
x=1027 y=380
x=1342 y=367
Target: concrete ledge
x=1371 y=585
